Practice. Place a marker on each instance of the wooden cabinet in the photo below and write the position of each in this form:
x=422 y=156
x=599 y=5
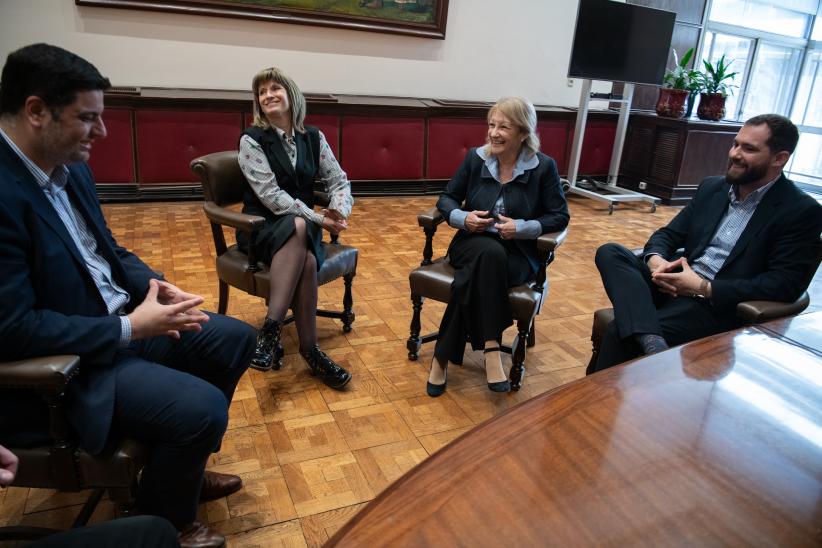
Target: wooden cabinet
x=668 y=158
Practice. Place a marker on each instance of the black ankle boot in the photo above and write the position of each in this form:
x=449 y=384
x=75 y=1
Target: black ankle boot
x=331 y=374
x=269 y=351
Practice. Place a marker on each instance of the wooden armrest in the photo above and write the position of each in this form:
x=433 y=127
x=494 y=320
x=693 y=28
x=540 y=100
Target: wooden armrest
x=752 y=312
x=49 y=373
x=551 y=240
x=321 y=198
x=235 y=219
x=430 y=218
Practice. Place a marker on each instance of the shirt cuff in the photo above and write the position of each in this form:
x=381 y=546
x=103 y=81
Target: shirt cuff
x=457 y=218
x=125 y=331
x=649 y=255
x=528 y=230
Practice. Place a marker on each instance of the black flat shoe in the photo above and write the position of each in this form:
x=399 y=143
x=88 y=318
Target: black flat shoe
x=332 y=374
x=269 y=351
x=436 y=390
x=500 y=386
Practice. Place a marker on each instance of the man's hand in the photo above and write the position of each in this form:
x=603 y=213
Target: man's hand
x=687 y=282
x=8 y=466
x=333 y=221
x=169 y=293
x=506 y=226
x=154 y=317
x=478 y=221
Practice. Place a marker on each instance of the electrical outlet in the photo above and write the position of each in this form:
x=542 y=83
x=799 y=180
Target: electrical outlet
x=570 y=82
x=643 y=185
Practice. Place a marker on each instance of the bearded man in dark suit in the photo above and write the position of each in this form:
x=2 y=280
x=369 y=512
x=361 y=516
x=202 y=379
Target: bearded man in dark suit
x=750 y=235
x=153 y=366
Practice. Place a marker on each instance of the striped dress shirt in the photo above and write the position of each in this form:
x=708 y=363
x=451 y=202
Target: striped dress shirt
x=730 y=229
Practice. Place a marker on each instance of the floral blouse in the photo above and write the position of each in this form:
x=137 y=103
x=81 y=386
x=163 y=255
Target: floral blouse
x=257 y=171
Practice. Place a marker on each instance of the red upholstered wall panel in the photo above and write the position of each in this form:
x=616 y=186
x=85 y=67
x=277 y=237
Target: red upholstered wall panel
x=596 y=148
x=112 y=158
x=448 y=141
x=167 y=141
x=330 y=126
x=382 y=148
x=554 y=142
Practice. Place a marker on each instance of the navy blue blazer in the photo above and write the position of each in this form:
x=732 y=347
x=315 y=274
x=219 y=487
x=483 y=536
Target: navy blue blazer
x=776 y=255
x=49 y=303
x=535 y=194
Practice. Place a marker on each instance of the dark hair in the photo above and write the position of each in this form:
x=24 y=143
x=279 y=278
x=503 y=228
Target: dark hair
x=784 y=134
x=51 y=73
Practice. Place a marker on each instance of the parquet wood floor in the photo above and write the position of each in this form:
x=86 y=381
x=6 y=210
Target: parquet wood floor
x=311 y=456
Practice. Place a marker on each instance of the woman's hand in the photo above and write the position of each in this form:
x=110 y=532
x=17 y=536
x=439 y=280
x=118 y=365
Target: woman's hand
x=507 y=227
x=333 y=221
x=476 y=221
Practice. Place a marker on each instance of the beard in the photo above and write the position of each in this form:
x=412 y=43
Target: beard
x=750 y=174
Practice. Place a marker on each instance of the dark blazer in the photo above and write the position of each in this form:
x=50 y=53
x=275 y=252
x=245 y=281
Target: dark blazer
x=774 y=258
x=49 y=303
x=536 y=194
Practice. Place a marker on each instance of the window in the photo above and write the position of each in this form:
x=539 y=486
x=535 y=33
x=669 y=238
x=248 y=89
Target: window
x=776 y=47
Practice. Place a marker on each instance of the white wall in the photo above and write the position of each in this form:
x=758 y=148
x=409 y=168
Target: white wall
x=491 y=49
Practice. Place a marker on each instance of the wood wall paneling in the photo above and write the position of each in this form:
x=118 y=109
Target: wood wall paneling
x=112 y=158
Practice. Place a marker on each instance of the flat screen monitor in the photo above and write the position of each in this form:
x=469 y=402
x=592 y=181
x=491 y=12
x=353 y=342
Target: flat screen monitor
x=621 y=42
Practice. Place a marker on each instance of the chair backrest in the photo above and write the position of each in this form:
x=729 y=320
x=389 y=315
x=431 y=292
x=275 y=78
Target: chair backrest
x=223 y=180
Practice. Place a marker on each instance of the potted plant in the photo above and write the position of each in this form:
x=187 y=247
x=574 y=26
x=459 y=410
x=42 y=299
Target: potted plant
x=715 y=88
x=677 y=85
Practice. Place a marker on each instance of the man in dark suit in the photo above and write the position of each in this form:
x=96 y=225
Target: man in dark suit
x=750 y=235
x=153 y=366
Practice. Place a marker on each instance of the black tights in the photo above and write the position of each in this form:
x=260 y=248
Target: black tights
x=295 y=285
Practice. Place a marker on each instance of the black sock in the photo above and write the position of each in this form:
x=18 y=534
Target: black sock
x=651 y=343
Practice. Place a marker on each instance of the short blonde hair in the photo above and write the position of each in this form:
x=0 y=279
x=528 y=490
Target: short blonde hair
x=523 y=115
x=296 y=100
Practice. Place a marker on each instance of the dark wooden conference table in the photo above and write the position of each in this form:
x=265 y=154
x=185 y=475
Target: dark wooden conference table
x=714 y=443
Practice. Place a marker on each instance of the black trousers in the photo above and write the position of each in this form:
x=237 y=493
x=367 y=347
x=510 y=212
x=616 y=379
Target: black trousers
x=639 y=307
x=136 y=532
x=479 y=310
x=174 y=395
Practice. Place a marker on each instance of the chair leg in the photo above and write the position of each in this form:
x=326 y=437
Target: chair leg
x=88 y=508
x=532 y=338
x=348 y=303
x=518 y=355
x=222 y=306
x=414 y=342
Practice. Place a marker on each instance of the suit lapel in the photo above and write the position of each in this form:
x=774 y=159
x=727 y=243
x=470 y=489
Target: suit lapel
x=763 y=214
x=41 y=205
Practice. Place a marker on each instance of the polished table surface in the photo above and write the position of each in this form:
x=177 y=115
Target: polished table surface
x=717 y=442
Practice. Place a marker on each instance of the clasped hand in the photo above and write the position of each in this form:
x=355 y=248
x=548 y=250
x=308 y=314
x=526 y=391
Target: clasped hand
x=675 y=278
x=479 y=221
x=333 y=221
x=166 y=310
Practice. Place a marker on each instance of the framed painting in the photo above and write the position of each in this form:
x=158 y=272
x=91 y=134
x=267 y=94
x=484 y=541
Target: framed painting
x=425 y=18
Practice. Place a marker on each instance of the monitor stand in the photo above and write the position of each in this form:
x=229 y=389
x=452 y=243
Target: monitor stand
x=609 y=191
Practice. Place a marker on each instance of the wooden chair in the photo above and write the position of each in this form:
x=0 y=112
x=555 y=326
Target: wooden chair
x=432 y=279
x=750 y=312
x=224 y=185
x=58 y=462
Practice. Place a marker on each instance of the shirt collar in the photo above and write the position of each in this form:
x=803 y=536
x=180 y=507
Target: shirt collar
x=754 y=197
x=58 y=178
x=526 y=160
x=283 y=136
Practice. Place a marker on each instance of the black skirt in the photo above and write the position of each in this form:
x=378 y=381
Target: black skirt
x=276 y=232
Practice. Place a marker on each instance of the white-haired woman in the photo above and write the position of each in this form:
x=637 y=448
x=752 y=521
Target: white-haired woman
x=281 y=158
x=504 y=195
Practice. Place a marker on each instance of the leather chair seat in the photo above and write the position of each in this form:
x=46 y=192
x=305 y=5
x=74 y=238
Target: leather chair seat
x=232 y=267
x=114 y=467
x=340 y=260
x=434 y=281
